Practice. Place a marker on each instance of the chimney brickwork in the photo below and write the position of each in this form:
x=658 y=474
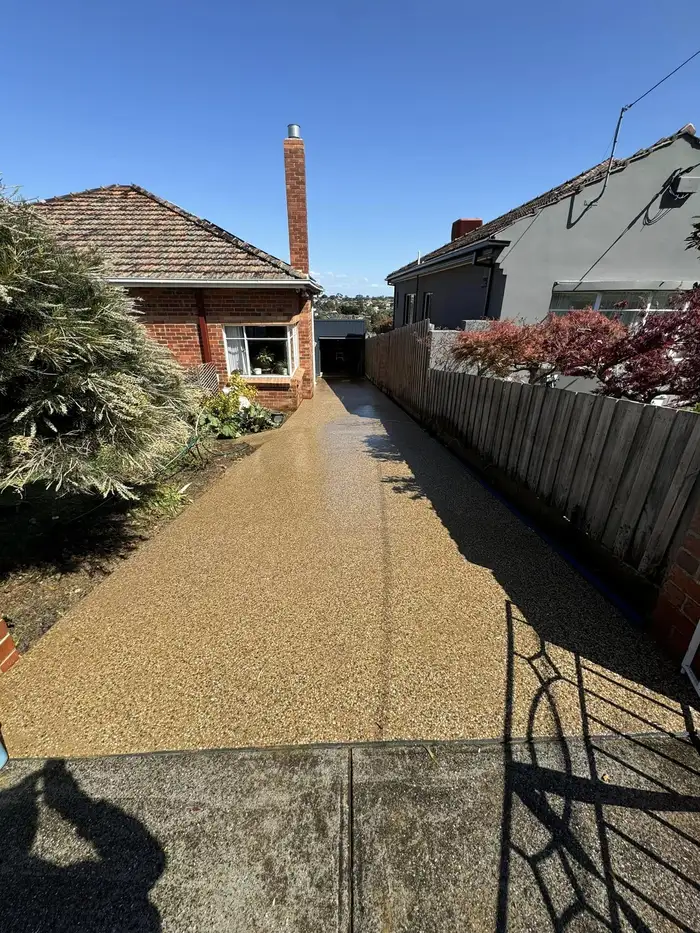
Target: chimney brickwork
x=464 y=226
x=295 y=177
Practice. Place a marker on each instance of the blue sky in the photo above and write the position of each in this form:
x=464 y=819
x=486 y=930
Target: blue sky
x=413 y=114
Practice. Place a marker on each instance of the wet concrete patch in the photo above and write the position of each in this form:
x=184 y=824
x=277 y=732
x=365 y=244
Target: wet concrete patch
x=579 y=834
x=599 y=834
x=214 y=841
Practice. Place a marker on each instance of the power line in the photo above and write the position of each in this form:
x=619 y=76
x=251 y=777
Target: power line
x=623 y=111
x=658 y=83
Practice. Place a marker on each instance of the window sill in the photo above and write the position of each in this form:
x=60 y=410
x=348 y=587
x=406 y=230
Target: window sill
x=274 y=379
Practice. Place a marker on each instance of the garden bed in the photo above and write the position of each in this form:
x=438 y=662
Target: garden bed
x=54 y=551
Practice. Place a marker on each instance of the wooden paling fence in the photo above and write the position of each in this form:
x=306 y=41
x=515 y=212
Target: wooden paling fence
x=398 y=363
x=624 y=473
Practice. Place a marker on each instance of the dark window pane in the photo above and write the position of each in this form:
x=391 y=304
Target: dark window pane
x=663 y=300
x=568 y=301
x=270 y=357
x=621 y=301
x=258 y=333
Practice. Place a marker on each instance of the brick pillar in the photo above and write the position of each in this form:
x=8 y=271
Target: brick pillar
x=678 y=608
x=295 y=178
x=8 y=653
x=306 y=346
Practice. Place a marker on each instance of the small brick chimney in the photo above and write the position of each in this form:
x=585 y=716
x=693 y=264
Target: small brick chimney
x=461 y=227
x=295 y=178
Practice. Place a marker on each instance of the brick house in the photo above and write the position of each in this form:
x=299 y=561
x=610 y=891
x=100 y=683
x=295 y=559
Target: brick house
x=206 y=294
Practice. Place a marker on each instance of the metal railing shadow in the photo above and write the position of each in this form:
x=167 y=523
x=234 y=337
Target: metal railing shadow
x=595 y=852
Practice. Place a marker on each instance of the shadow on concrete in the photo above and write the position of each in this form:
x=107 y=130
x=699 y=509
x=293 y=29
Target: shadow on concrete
x=603 y=850
x=99 y=877
x=602 y=838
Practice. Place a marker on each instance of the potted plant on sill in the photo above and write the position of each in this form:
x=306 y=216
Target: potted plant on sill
x=264 y=360
x=281 y=368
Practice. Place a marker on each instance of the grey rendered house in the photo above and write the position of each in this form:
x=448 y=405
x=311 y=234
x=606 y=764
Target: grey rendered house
x=606 y=239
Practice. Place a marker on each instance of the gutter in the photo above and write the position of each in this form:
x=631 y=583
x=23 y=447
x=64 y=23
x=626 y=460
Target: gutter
x=454 y=257
x=302 y=284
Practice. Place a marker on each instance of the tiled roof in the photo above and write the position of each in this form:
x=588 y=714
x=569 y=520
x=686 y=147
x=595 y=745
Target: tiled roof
x=496 y=226
x=142 y=236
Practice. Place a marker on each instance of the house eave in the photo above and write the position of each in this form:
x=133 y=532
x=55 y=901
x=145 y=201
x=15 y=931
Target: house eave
x=457 y=257
x=297 y=285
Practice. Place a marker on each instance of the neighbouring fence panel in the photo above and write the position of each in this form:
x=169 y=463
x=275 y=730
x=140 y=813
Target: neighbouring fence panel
x=398 y=363
x=621 y=472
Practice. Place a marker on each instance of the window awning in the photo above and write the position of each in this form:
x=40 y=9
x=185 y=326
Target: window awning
x=622 y=285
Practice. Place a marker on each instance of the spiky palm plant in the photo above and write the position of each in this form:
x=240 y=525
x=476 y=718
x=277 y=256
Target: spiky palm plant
x=88 y=403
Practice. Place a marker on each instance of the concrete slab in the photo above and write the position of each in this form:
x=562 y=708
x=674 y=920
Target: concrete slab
x=562 y=835
x=579 y=835
x=208 y=842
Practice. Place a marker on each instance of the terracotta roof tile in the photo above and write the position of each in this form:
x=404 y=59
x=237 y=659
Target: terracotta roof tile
x=143 y=236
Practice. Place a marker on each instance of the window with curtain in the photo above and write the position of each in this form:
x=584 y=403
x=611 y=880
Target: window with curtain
x=270 y=350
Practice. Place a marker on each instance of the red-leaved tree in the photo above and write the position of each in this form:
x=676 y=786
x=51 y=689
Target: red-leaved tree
x=578 y=343
x=660 y=356
x=501 y=349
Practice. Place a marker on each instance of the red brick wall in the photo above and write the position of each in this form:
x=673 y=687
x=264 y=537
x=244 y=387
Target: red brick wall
x=8 y=653
x=306 y=347
x=170 y=316
x=677 y=611
x=295 y=179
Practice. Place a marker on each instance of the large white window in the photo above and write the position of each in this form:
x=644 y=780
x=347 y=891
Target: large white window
x=262 y=351
x=627 y=305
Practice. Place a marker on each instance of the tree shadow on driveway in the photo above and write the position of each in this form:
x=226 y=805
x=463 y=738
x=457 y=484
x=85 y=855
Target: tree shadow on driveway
x=93 y=876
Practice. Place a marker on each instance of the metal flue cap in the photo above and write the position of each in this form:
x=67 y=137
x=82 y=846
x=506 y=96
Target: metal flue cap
x=293 y=131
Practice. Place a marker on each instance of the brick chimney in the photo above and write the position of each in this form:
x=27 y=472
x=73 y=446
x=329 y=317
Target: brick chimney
x=461 y=227
x=295 y=178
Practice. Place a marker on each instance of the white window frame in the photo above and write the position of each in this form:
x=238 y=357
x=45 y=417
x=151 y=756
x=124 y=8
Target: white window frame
x=427 y=305
x=291 y=339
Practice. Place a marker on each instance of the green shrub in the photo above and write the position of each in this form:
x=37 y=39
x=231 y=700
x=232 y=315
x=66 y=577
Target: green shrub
x=256 y=418
x=238 y=386
x=222 y=417
x=163 y=500
x=88 y=403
